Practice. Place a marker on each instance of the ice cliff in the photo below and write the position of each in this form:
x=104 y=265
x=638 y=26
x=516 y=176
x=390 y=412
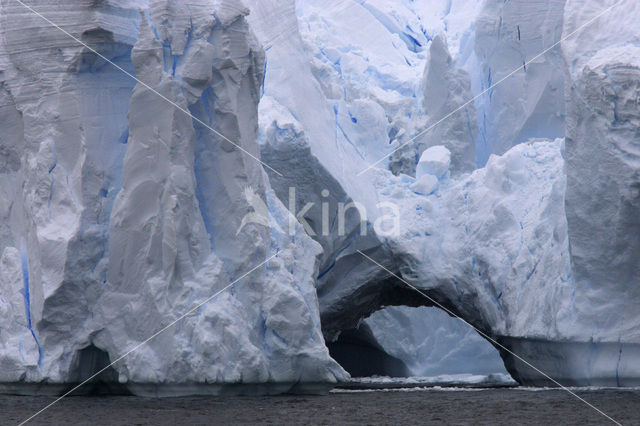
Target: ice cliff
x=496 y=246
x=120 y=212
x=274 y=159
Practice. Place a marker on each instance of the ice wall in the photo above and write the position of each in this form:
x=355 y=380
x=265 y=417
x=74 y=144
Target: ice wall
x=452 y=118
x=429 y=59
x=121 y=212
x=529 y=104
x=319 y=134
x=603 y=166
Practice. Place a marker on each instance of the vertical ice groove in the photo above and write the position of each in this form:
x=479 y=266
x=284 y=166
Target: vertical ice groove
x=27 y=300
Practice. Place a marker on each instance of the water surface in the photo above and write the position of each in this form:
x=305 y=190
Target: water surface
x=391 y=406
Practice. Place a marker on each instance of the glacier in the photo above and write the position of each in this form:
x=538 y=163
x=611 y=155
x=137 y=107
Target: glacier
x=122 y=215
x=264 y=145
x=521 y=254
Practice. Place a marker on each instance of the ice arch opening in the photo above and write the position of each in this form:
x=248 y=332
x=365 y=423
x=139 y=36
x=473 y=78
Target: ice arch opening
x=392 y=330
x=431 y=343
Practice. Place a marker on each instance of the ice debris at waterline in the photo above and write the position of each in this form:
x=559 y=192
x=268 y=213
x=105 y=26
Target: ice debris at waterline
x=413 y=382
x=120 y=212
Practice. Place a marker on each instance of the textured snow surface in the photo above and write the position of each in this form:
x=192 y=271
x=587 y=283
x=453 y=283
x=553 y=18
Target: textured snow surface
x=120 y=213
x=518 y=212
x=530 y=103
x=493 y=246
x=603 y=168
x=488 y=244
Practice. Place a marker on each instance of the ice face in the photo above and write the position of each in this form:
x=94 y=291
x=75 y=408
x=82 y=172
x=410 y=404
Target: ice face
x=132 y=209
x=452 y=122
x=478 y=245
x=522 y=268
x=122 y=206
x=529 y=104
x=602 y=202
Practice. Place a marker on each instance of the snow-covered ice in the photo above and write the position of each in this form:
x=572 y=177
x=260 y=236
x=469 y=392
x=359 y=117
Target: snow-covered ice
x=119 y=211
x=434 y=161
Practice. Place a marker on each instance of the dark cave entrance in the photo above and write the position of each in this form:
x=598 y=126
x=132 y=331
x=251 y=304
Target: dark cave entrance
x=350 y=340
x=360 y=354
x=89 y=361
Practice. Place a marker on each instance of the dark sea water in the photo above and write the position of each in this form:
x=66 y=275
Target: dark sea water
x=455 y=406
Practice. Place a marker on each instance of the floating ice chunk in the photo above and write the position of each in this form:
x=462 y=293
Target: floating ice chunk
x=434 y=161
